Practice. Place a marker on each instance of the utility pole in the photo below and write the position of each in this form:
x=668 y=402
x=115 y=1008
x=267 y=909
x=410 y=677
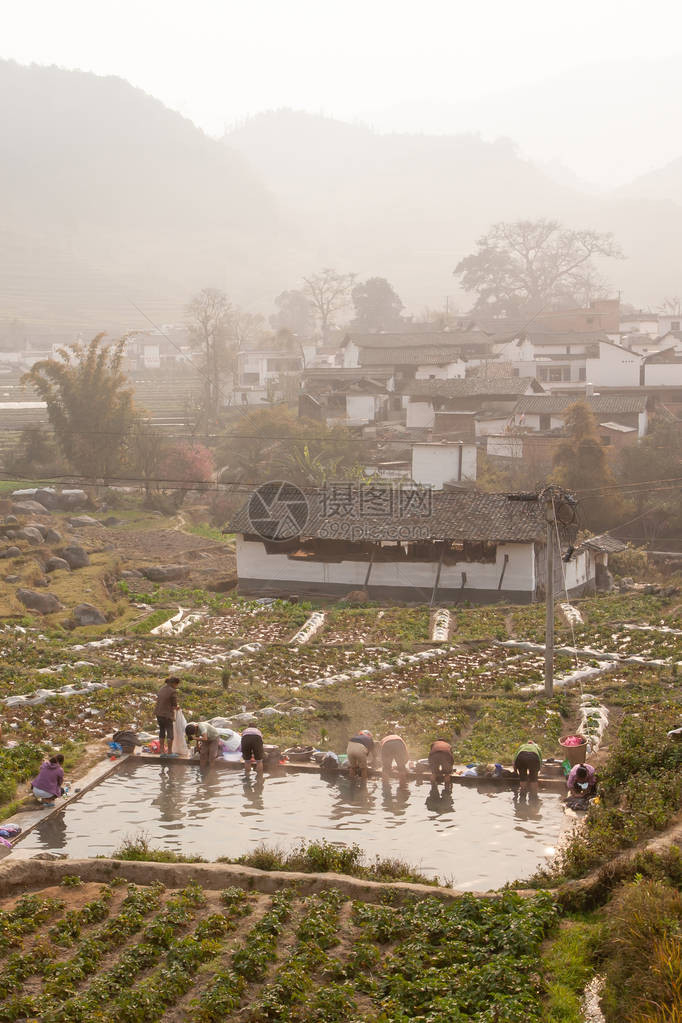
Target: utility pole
x=549 y=600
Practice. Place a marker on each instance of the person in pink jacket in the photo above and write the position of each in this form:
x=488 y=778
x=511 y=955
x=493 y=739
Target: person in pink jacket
x=47 y=784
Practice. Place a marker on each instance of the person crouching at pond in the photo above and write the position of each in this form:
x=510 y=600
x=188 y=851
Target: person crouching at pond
x=582 y=781
x=252 y=750
x=441 y=762
x=394 y=751
x=166 y=707
x=206 y=737
x=527 y=765
x=48 y=783
x=360 y=752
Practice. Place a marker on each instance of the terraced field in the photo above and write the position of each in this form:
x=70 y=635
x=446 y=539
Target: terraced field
x=127 y=954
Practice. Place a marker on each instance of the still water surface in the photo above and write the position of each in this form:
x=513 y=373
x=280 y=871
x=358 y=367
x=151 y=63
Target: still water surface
x=475 y=839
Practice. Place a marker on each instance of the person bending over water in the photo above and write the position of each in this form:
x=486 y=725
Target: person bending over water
x=527 y=765
x=360 y=752
x=206 y=737
x=582 y=781
x=252 y=750
x=48 y=783
x=394 y=751
x=441 y=762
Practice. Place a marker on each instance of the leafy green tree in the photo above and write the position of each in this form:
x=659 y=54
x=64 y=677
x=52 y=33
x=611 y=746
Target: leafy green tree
x=274 y=444
x=377 y=306
x=530 y=265
x=294 y=313
x=89 y=404
x=581 y=465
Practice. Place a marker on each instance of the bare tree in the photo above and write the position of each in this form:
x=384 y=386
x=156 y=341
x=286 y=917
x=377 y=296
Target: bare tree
x=329 y=292
x=671 y=306
x=529 y=265
x=208 y=322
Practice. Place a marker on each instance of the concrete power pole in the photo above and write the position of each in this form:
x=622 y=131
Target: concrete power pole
x=549 y=601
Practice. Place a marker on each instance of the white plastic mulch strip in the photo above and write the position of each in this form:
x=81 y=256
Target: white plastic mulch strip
x=653 y=628
x=176 y=625
x=581 y=675
x=571 y=614
x=587 y=652
x=593 y=721
x=440 y=628
x=308 y=630
x=591 y=1001
x=365 y=670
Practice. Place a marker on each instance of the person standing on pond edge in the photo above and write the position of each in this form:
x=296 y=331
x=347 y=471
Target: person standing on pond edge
x=360 y=752
x=207 y=739
x=527 y=765
x=166 y=706
x=394 y=750
x=441 y=762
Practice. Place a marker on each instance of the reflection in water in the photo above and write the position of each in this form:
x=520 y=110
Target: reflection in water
x=527 y=806
x=485 y=843
x=440 y=802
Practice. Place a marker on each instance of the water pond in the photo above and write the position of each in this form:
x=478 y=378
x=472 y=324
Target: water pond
x=474 y=839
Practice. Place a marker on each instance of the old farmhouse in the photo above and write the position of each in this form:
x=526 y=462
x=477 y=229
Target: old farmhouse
x=408 y=545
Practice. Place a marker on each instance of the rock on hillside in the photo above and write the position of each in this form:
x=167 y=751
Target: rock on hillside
x=43 y=603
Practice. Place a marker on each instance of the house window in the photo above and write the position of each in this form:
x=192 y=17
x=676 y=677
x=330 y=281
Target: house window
x=556 y=374
x=250 y=378
x=582 y=373
x=567 y=373
x=674 y=324
x=542 y=372
x=545 y=422
x=568 y=349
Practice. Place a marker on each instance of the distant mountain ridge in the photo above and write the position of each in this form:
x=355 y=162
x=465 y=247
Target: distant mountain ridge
x=110 y=201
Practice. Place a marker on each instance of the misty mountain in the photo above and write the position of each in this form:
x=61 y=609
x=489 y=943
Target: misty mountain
x=608 y=122
x=663 y=183
x=108 y=197
x=409 y=206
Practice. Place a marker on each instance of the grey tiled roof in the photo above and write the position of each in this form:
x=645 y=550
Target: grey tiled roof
x=600 y=404
x=422 y=339
x=606 y=543
x=468 y=516
x=470 y=386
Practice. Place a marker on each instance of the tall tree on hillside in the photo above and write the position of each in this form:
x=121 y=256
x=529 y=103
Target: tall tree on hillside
x=523 y=267
x=657 y=457
x=294 y=313
x=581 y=465
x=209 y=325
x=89 y=404
x=329 y=293
x=377 y=306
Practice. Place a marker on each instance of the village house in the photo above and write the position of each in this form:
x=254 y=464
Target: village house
x=547 y=412
x=428 y=354
x=350 y=396
x=397 y=543
x=262 y=373
x=450 y=407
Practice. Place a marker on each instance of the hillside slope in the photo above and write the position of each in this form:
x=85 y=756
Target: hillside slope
x=109 y=196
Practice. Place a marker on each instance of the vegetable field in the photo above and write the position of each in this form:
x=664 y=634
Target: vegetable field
x=130 y=954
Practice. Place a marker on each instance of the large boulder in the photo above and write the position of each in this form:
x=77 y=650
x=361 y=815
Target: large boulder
x=39 y=526
x=84 y=520
x=55 y=564
x=73 y=498
x=52 y=536
x=75 y=555
x=27 y=507
x=11 y=552
x=166 y=573
x=43 y=603
x=87 y=614
x=47 y=496
x=31 y=534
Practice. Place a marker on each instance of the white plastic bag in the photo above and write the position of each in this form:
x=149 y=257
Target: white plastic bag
x=179 y=741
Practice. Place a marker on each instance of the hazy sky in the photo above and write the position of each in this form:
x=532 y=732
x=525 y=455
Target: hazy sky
x=219 y=60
